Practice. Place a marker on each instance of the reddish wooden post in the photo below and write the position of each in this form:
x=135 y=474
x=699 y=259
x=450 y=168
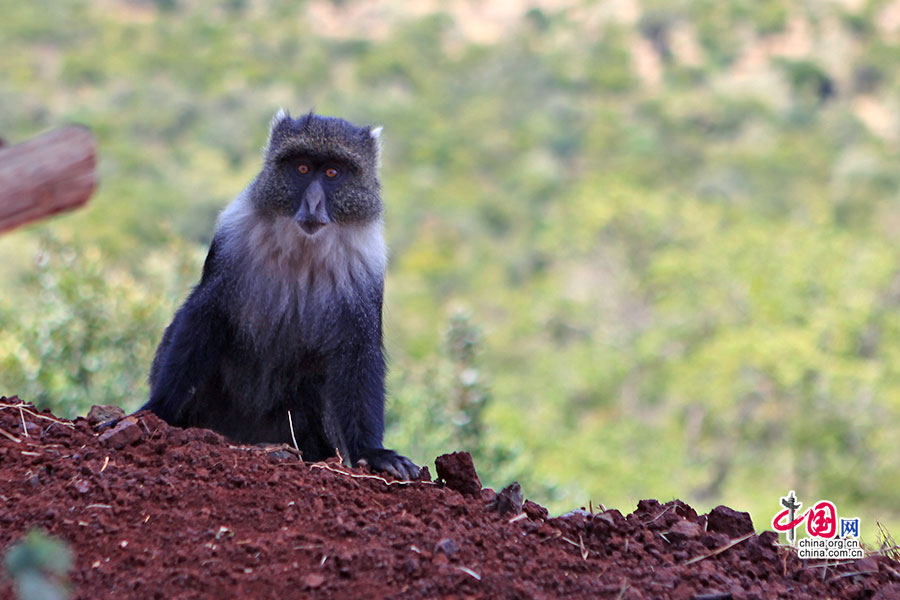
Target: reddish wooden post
x=48 y=174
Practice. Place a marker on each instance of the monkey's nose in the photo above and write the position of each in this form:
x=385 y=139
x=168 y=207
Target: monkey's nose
x=312 y=215
x=311 y=227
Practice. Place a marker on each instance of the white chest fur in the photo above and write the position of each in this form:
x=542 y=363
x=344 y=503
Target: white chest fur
x=286 y=277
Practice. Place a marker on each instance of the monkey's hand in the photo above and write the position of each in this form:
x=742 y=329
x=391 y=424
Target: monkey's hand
x=389 y=462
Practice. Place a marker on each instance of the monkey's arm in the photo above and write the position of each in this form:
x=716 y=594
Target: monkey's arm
x=354 y=398
x=191 y=347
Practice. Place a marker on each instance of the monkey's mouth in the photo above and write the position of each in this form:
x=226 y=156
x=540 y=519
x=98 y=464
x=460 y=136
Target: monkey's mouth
x=311 y=227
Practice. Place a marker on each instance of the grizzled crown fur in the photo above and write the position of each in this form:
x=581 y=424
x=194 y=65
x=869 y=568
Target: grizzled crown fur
x=357 y=199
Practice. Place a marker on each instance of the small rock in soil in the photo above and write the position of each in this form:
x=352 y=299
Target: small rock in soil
x=124 y=434
x=447 y=546
x=458 y=473
x=534 y=510
x=509 y=500
x=100 y=414
x=683 y=530
x=731 y=522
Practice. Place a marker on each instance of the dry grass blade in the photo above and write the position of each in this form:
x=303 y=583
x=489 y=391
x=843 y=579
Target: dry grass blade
x=579 y=544
x=23 y=408
x=852 y=574
x=889 y=546
x=893 y=572
x=554 y=536
x=7 y=434
x=24 y=426
x=660 y=514
x=293 y=437
x=721 y=549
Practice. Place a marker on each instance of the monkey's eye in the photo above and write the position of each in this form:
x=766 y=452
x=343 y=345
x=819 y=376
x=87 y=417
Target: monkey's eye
x=303 y=168
x=332 y=172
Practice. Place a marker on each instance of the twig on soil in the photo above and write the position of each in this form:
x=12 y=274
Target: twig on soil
x=470 y=572
x=660 y=514
x=518 y=517
x=328 y=467
x=825 y=565
x=852 y=574
x=721 y=549
x=24 y=408
x=10 y=436
x=98 y=506
x=579 y=544
x=558 y=534
x=892 y=571
x=293 y=437
x=24 y=426
x=324 y=558
x=885 y=551
x=105 y=464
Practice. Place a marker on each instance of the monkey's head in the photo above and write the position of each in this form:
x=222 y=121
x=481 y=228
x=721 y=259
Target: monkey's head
x=320 y=171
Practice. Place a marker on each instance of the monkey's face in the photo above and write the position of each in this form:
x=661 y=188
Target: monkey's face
x=320 y=171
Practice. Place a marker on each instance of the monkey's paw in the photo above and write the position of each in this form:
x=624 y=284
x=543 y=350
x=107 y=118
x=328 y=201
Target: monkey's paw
x=381 y=459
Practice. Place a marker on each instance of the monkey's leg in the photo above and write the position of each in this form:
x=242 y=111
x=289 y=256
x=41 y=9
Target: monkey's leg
x=190 y=352
x=354 y=399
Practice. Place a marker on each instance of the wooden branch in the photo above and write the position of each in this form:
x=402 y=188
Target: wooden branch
x=48 y=174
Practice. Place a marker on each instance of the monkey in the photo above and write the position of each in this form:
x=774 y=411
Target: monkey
x=284 y=329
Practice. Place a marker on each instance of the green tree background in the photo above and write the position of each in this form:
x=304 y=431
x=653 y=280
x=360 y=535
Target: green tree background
x=638 y=249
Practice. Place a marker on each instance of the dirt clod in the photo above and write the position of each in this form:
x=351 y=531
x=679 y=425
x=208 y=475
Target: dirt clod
x=457 y=472
x=509 y=500
x=186 y=514
x=447 y=546
x=535 y=511
x=99 y=414
x=683 y=530
x=731 y=522
x=124 y=434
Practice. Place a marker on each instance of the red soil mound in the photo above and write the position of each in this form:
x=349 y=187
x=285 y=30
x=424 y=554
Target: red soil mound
x=153 y=511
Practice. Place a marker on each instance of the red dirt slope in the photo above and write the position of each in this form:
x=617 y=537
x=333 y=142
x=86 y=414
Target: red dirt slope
x=153 y=511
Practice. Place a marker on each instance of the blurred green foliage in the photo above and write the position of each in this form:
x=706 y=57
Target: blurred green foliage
x=645 y=253
x=38 y=566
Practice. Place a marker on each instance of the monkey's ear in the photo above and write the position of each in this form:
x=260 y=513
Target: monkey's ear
x=375 y=134
x=279 y=128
